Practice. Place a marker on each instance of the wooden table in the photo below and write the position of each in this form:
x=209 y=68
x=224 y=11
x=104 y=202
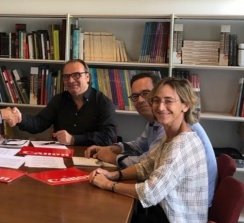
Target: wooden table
x=28 y=200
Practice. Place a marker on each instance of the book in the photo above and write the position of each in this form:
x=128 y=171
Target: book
x=240 y=98
x=4 y=45
x=61 y=177
x=82 y=161
x=177 y=43
x=47 y=151
x=9 y=175
x=34 y=71
x=5 y=94
x=20 y=84
x=232 y=59
x=224 y=45
x=10 y=85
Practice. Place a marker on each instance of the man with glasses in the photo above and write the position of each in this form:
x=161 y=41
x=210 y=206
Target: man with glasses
x=129 y=153
x=80 y=115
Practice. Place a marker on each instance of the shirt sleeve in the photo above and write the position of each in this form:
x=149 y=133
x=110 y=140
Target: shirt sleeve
x=138 y=146
x=43 y=120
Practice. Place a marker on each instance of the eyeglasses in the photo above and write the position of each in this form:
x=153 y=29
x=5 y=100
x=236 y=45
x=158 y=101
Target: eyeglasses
x=75 y=75
x=135 y=96
x=156 y=101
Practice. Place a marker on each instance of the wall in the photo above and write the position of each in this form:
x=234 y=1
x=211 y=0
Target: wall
x=216 y=7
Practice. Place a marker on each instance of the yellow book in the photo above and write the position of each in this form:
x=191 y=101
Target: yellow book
x=56 y=45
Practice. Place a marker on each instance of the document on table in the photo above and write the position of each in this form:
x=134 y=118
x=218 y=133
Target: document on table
x=44 y=162
x=48 y=144
x=8 y=152
x=14 y=162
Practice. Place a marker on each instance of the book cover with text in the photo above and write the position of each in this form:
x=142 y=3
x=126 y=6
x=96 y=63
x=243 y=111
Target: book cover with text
x=9 y=175
x=40 y=151
x=60 y=177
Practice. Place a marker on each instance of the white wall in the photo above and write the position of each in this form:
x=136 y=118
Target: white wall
x=133 y=7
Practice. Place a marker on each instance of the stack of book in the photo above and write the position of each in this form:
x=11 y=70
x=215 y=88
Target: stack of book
x=200 y=52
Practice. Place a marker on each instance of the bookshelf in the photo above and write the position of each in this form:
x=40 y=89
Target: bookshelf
x=216 y=102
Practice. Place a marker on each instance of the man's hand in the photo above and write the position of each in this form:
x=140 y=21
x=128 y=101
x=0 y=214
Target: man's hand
x=93 y=150
x=11 y=116
x=104 y=153
x=64 y=137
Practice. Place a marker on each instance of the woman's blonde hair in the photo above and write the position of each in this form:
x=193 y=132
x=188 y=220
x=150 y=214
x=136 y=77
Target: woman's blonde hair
x=185 y=92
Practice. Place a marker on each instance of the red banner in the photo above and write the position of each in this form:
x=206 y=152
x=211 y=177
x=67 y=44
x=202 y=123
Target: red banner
x=8 y=175
x=60 y=177
x=38 y=151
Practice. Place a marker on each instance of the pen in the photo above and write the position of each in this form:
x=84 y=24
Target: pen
x=49 y=143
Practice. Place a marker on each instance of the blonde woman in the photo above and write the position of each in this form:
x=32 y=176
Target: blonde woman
x=173 y=177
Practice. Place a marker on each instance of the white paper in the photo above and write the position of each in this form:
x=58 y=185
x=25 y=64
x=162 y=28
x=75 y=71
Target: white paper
x=8 y=152
x=44 y=162
x=48 y=144
x=14 y=162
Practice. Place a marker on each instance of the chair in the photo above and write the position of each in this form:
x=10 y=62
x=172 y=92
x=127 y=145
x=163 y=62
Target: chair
x=232 y=152
x=226 y=167
x=228 y=201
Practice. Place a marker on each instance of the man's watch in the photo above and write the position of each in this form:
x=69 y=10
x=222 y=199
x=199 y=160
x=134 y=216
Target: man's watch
x=120 y=161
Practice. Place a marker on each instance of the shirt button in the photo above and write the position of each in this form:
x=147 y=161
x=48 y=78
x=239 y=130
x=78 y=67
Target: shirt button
x=75 y=125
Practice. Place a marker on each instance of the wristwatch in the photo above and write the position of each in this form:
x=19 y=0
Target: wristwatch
x=120 y=161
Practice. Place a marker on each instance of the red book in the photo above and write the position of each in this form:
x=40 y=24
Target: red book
x=8 y=175
x=61 y=177
x=37 y=151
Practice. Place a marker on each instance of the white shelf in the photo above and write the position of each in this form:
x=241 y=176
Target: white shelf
x=18 y=60
x=221 y=117
x=128 y=64
x=207 y=67
x=240 y=170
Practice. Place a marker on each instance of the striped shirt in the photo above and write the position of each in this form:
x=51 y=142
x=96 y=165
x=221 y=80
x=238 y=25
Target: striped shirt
x=175 y=177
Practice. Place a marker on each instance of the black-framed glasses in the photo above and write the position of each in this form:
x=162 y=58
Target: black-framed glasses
x=167 y=101
x=75 y=75
x=135 y=96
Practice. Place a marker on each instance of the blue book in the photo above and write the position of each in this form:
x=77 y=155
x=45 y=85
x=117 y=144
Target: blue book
x=94 y=82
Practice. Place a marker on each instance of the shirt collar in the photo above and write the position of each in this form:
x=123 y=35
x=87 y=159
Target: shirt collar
x=86 y=95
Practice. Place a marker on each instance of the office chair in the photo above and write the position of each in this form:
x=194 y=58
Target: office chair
x=226 y=167
x=228 y=201
x=232 y=152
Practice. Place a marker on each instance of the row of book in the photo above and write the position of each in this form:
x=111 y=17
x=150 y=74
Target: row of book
x=36 y=88
x=115 y=84
x=155 y=42
x=103 y=46
x=46 y=44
